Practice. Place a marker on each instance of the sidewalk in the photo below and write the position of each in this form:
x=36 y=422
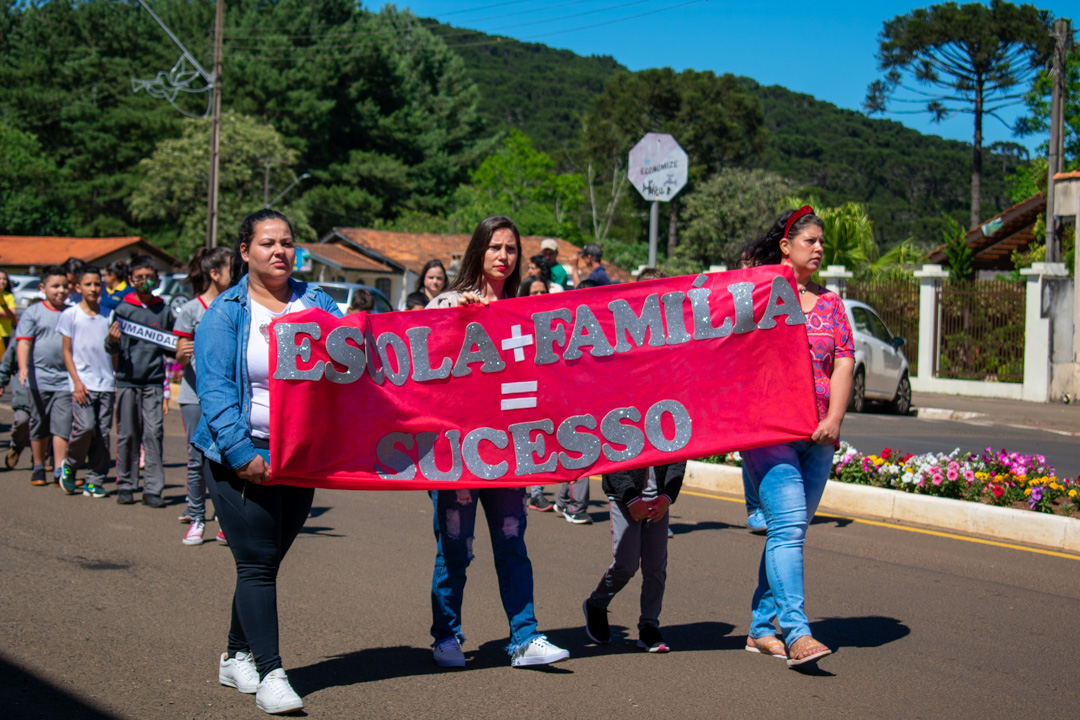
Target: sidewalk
x=1056 y=417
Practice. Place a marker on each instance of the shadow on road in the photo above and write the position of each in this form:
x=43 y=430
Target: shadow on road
x=364 y=666
x=27 y=696
x=681 y=528
x=863 y=632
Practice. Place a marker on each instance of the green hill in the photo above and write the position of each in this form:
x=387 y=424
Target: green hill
x=905 y=178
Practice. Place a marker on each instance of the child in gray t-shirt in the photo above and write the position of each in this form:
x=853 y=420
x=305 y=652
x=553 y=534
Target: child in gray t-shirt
x=42 y=372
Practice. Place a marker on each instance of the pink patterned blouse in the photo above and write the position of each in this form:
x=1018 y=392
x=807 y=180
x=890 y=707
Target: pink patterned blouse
x=829 y=333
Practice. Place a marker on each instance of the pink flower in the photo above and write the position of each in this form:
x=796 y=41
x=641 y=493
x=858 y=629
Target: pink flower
x=952 y=474
x=969 y=476
x=937 y=478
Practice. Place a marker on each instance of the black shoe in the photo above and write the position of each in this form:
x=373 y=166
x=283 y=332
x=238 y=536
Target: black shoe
x=580 y=518
x=153 y=501
x=540 y=503
x=125 y=497
x=596 y=624
x=649 y=639
x=38 y=477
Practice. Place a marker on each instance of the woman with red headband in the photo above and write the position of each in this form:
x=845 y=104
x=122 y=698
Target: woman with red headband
x=790 y=477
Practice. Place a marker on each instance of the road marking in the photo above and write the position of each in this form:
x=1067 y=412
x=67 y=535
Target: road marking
x=921 y=531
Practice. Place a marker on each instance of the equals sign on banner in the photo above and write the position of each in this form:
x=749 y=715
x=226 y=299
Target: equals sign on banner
x=518 y=388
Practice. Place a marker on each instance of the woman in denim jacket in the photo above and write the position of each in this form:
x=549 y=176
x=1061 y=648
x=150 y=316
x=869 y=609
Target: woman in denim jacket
x=261 y=521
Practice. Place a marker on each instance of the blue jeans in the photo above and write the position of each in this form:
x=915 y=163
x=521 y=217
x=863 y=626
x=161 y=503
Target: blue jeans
x=455 y=520
x=753 y=504
x=790 y=479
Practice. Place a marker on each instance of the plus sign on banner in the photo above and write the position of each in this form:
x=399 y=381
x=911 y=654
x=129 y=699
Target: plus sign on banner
x=658 y=167
x=542 y=389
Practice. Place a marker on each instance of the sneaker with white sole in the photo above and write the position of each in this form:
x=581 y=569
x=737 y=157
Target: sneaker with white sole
x=538 y=651
x=67 y=478
x=276 y=696
x=448 y=653
x=194 y=534
x=94 y=491
x=238 y=672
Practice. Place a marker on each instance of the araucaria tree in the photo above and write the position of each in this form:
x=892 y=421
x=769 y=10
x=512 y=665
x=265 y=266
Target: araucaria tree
x=951 y=58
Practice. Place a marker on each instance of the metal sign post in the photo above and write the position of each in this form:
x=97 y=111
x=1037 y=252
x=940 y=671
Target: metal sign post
x=658 y=169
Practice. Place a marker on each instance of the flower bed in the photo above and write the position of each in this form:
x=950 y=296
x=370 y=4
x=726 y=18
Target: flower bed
x=993 y=477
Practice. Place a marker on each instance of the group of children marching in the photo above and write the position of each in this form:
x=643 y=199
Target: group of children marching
x=89 y=352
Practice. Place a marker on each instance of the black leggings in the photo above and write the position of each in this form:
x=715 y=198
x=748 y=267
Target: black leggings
x=260 y=522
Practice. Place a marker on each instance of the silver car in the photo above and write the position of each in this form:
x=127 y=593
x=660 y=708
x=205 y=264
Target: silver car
x=881 y=370
x=342 y=294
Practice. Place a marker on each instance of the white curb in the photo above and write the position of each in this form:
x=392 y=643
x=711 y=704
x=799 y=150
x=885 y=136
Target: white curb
x=1005 y=524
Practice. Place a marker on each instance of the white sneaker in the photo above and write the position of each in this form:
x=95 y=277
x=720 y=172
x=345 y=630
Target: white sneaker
x=539 y=651
x=448 y=653
x=238 y=672
x=275 y=694
x=194 y=534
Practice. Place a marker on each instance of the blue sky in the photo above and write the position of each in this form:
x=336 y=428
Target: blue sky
x=823 y=49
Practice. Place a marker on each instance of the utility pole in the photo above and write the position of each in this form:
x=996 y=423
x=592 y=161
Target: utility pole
x=215 y=131
x=1062 y=35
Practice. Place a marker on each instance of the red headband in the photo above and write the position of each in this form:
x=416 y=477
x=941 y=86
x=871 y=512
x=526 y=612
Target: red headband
x=804 y=210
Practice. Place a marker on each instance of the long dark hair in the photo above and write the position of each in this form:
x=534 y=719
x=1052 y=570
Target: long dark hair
x=544 y=266
x=203 y=262
x=766 y=250
x=471 y=273
x=247 y=234
x=436 y=263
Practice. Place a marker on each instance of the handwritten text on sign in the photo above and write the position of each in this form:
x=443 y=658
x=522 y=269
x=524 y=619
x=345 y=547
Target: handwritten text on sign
x=542 y=389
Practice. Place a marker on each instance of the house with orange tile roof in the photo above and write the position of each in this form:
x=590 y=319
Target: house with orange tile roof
x=407 y=253
x=329 y=262
x=29 y=254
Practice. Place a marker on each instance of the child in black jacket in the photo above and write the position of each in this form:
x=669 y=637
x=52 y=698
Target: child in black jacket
x=639 y=502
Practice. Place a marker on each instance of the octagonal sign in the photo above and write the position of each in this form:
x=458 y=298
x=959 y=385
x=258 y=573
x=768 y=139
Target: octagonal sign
x=658 y=167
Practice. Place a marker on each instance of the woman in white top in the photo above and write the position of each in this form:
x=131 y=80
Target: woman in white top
x=232 y=354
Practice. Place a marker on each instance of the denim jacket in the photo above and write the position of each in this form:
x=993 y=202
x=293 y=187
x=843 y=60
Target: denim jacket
x=221 y=340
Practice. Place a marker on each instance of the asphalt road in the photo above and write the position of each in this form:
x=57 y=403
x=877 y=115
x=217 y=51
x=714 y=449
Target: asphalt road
x=105 y=614
x=872 y=431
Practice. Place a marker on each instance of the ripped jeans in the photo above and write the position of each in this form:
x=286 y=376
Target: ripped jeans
x=455 y=520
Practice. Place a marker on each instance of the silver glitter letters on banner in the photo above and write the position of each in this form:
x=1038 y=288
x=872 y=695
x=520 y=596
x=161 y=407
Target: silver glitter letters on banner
x=579 y=442
x=628 y=323
x=616 y=432
x=782 y=301
x=673 y=313
x=587 y=333
x=525 y=448
x=351 y=355
x=485 y=352
x=396 y=465
x=401 y=357
x=421 y=361
x=546 y=335
x=288 y=352
x=425 y=448
x=703 y=327
x=655 y=432
x=743 y=296
x=470 y=452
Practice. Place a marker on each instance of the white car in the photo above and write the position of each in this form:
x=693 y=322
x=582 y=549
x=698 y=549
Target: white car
x=26 y=288
x=881 y=370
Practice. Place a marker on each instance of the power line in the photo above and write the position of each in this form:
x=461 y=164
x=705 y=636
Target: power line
x=492 y=40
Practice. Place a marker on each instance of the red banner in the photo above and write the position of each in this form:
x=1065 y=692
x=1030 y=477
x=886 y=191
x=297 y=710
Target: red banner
x=543 y=389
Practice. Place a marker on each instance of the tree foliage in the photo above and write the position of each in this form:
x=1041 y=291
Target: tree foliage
x=521 y=182
x=953 y=59
x=378 y=109
x=1037 y=100
x=727 y=211
x=175 y=179
x=27 y=205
